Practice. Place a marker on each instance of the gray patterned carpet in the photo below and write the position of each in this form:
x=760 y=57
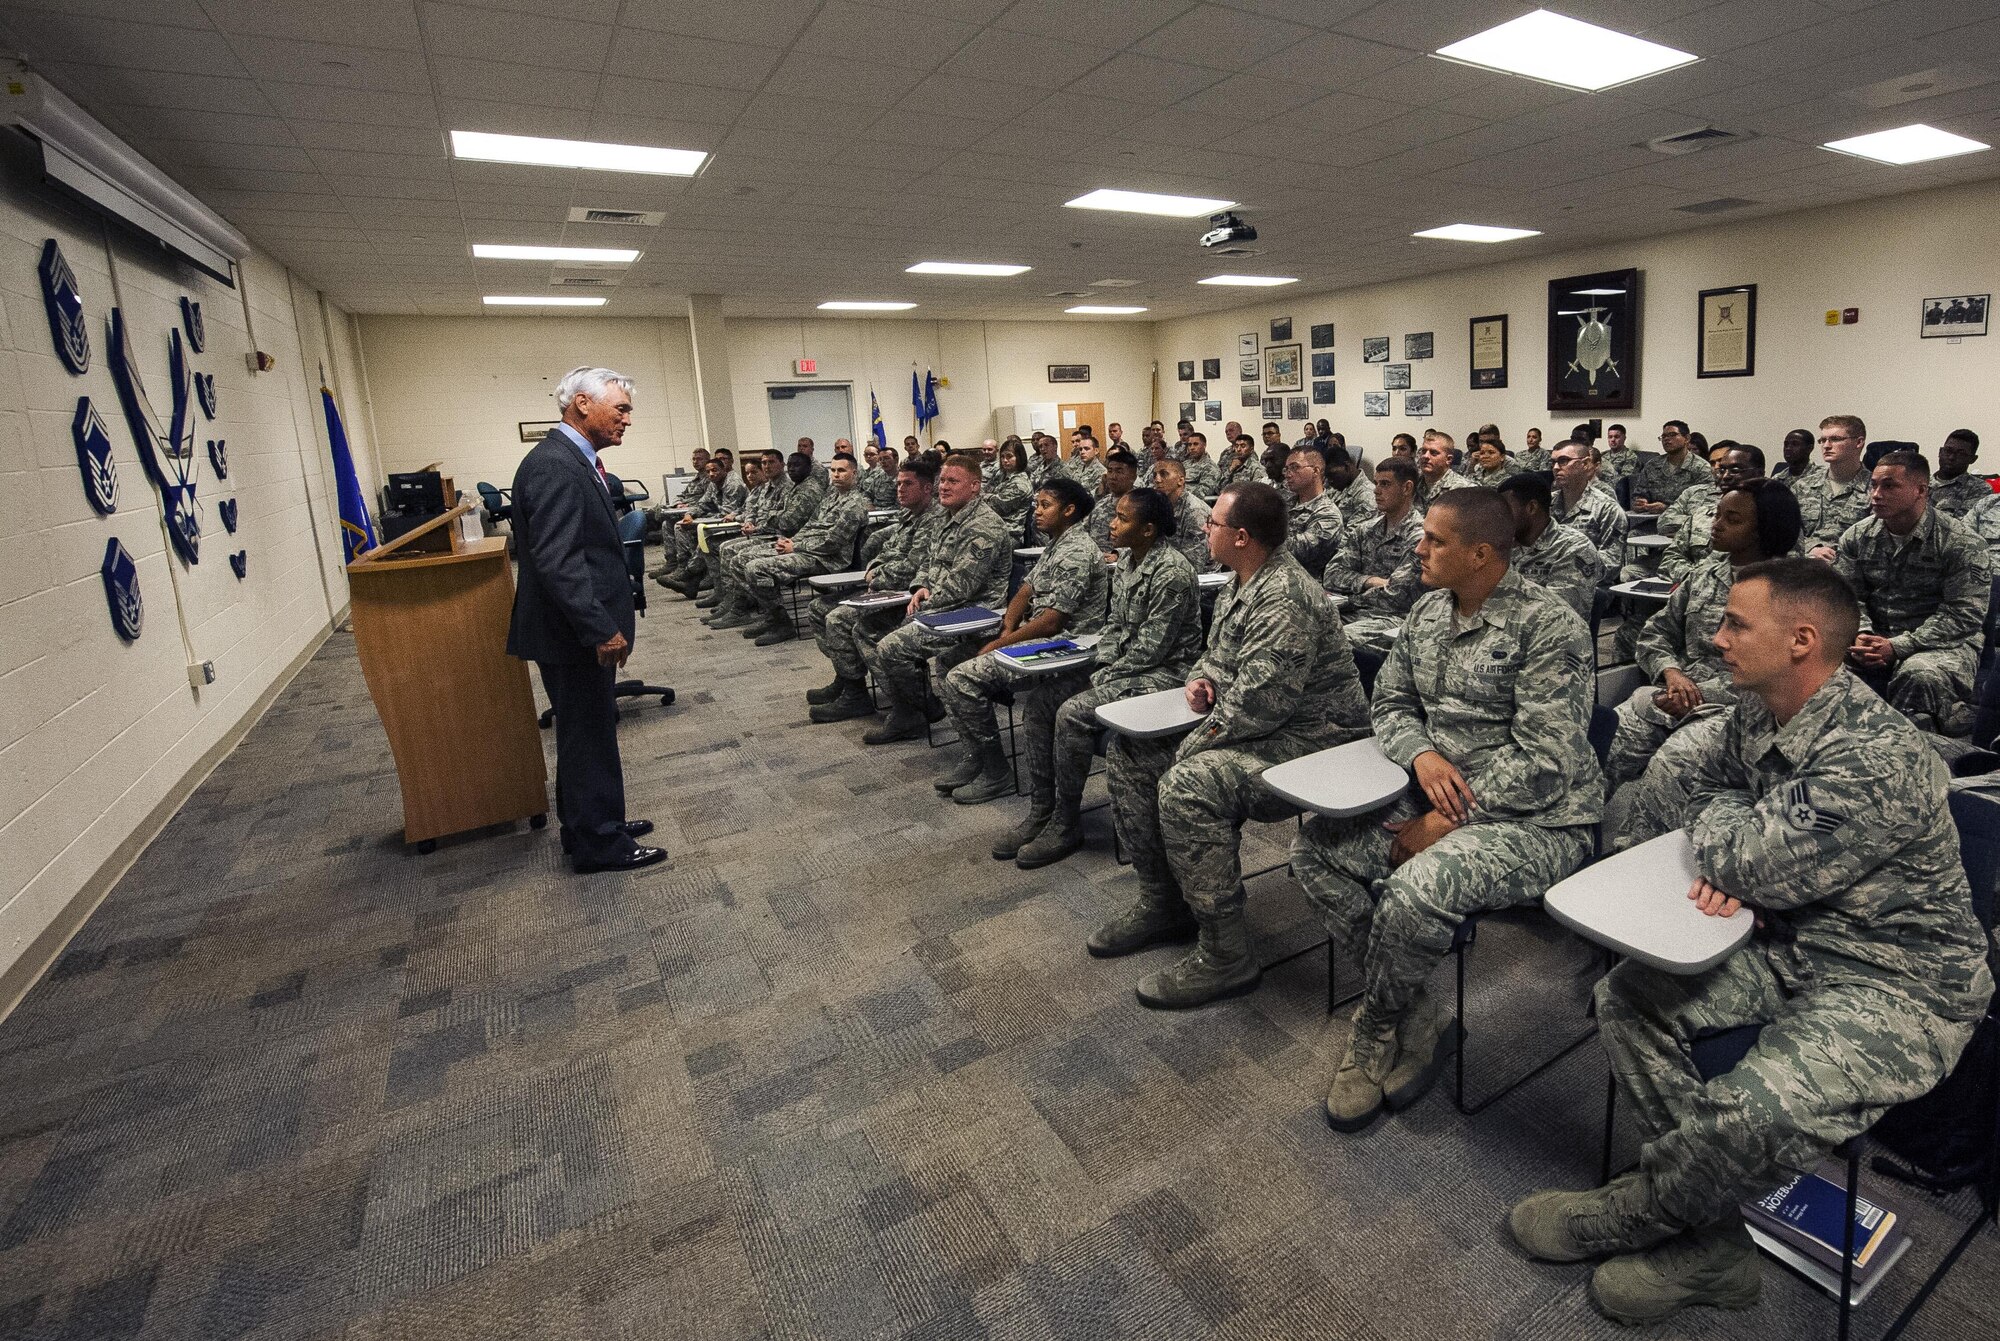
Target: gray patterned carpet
x=833 y=1072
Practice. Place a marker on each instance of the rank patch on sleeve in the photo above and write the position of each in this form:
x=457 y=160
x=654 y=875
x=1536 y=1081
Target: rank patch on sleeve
x=1802 y=815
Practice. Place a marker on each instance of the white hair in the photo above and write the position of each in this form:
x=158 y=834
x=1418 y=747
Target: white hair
x=588 y=381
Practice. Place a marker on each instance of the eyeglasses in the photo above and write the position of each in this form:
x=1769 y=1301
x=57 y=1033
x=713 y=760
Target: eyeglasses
x=1210 y=523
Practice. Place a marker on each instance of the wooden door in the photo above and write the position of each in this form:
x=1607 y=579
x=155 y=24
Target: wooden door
x=1080 y=414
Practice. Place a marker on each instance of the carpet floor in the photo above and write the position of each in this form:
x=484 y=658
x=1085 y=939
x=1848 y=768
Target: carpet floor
x=831 y=1072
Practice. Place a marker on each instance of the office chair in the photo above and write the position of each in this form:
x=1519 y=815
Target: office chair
x=631 y=531
x=495 y=501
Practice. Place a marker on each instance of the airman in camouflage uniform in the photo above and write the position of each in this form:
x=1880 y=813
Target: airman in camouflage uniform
x=1868 y=977
x=1659 y=479
x=1376 y=565
x=1356 y=498
x=1502 y=696
x=878 y=486
x=1957 y=496
x=1313 y=530
x=1011 y=498
x=1071 y=579
x=1563 y=561
x=1827 y=506
x=1926 y=591
x=1150 y=642
x=1090 y=474
x=823 y=545
x=1428 y=490
x=791 y=510
x=1190 y=516
x=1595 y=513
x=1984 y=521
x=723 y=496
x=1680 y=636
x=1284 y=685
x=1244 y=469
x=847 y=635
x=969 y=564
x=1204 y=478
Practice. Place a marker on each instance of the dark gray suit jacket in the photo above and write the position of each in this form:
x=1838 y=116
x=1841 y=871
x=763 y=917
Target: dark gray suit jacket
x=574 y=590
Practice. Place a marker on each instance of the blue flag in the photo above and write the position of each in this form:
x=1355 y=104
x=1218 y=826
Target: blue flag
x=917 y=400
x=875 y=428
x=357 y=533
x=930 y=396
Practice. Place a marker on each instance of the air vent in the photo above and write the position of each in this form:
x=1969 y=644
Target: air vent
x=1071 y=293
x=1696 y=140
x=1114 y=284
x=620 y=218
x=1716 y=206
x=581 y=282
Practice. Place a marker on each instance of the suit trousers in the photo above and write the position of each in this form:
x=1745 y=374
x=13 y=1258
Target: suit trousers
x=590 y=781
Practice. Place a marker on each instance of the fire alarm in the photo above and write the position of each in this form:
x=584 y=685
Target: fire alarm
x=1849 y=315
x=805 y=367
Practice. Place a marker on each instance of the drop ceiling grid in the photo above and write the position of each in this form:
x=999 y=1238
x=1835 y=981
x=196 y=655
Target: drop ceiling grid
x=854 y=138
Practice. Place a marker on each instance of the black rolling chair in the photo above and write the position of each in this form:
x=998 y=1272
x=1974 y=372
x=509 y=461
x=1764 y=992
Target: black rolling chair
x=495 y=500
x=632 y=531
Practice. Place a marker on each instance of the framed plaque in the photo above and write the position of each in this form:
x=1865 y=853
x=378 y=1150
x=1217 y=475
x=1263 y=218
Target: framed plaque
x=1395 y=377
x=1284 y=369
x=1594 y=341
x=1728 y=345
x=1489 y=352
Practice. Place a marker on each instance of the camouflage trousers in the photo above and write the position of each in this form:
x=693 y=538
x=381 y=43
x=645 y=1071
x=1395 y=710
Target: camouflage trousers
x=1833 y=1056
x=1405 y=916
x=1644 y=729
x=1934 y=689
x=1180 y=821
x=1656 y=801
x=728 y=561
x=901 y=661
x=969 y=691
x=1373 y=633
x=848 y=636
x=1061 y=732
x=764 y=576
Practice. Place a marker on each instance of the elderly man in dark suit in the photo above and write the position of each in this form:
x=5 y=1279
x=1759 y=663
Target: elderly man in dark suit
x=573 y=614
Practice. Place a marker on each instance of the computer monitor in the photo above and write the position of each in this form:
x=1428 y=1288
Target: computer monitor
x=420 y=492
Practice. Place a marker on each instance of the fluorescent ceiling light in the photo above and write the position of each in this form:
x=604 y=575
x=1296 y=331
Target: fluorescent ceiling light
x=865 y=307
x=1091 y=310
x=540 y=300
x=964 y=268
x=1565 y=51
x=1250 y=281
x=497 y=251
x=1477 y=233
x=1147 y=202
x=1907 y=144
x=541 y=152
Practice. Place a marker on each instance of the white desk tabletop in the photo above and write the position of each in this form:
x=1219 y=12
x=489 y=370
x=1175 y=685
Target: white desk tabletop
x=1029 y=552
x=1350 y=779
x=1636 y=904
x=854 y=577
x=1641 y=591
x=878 y=600
x=1086 y=654
x=1212 y=581
x=1164 y=713
x=1649 y=541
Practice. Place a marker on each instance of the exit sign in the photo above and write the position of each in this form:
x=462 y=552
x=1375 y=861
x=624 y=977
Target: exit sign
x=805 y=367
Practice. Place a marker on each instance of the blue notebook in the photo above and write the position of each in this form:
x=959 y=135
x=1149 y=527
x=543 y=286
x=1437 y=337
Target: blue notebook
x=1808 y=1211
x=957 y=619
x=1059 y=647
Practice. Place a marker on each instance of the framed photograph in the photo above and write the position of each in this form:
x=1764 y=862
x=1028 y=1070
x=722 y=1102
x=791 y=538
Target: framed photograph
x=1246 y=343
x=1594 y=342
x=1252 y=398
x=1322 y=365
x=1186 y=411
x=1375 y=404
x=1069 y=372
x=1250 y=370
x=537 y=429
x=1322 y=335
x=1284 y=370
x=1728 y=345
x=1199 y=390
x=1274 y=407
x=1211 y=367
x=1395 y=376
x=1281 y=329
x=1950 y=318
x=1417 y=404
x=1374 y=349
x=1211 y=410
x=1298 y=407
x=1184 y=371
x=1489 y=351
x=1417 y=346
x=1323 y=393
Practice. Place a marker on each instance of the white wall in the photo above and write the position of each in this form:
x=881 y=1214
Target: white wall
x=1883 y=257
x=96 y=733
x=455 y=388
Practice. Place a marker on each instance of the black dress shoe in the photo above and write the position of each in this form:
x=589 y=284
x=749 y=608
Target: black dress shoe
x=630 y=828
x=631 y=861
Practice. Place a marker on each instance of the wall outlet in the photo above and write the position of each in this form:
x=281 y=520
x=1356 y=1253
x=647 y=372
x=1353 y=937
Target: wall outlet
x=201 y=673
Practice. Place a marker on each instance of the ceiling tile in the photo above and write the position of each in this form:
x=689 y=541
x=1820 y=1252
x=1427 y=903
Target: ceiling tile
x=844 y=81
x=339 y=65
x=1145 y=80
x=650 y=55
x=491 y=81
x=554 y=44
x=859 y=32
x=510 y=118
x=669 y=100
x=1227 y=39
x=1333 y=60
x=222 y=154
x=762 y=22
x=368 y=23
x=1032 y=59
x=1104 y=23
x=52 y=36
x=1250 y=95
x=318 y=103
x=917 y=126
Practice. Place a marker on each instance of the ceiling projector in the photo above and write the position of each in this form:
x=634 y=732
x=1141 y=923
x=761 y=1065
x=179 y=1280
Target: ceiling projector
x=1227 y=228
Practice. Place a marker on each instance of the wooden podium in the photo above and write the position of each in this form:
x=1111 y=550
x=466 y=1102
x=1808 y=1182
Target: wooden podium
x=430 y=621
